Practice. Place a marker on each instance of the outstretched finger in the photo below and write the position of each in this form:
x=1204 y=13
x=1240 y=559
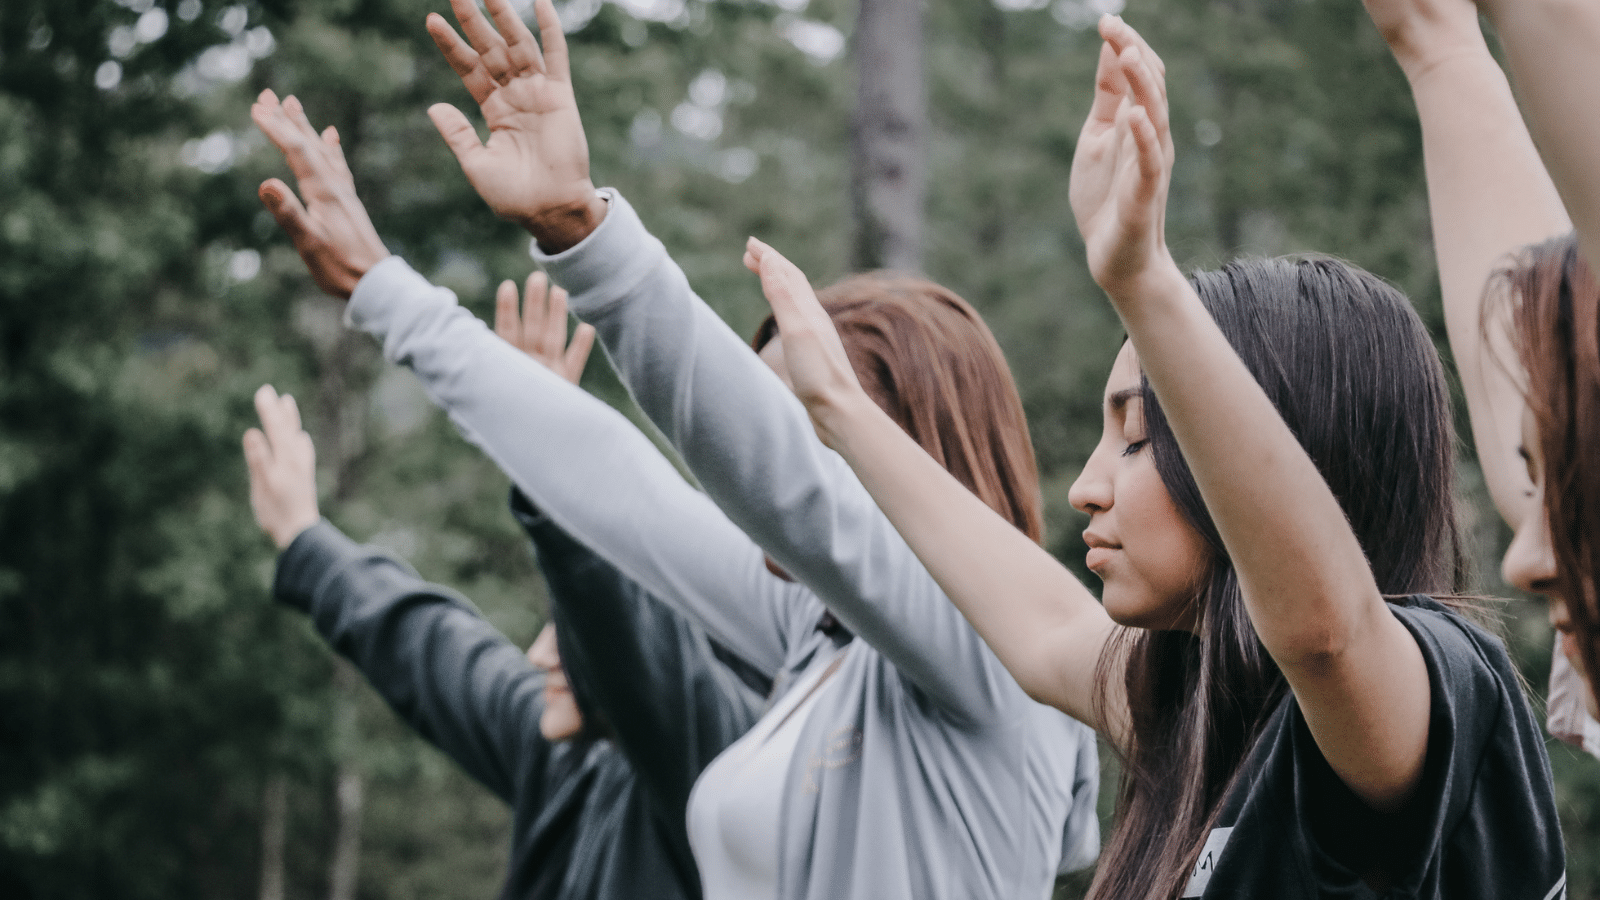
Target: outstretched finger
x=462 y=58
x=1121 y=36
x=521 y=49
x=285 y=207
x=1152 y=157
x=257 y=458
x=1109 y=86
x=535 y=318
x=555 y=321
x=457 y=132
x=556 y=62
x=485 y=39
x=506 y=322
x=577 y=354
x=1144 y=85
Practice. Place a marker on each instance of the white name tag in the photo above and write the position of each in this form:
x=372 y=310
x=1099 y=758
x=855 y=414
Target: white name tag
x=1207 y=863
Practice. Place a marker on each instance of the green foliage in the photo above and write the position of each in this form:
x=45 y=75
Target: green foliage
x=148 y=687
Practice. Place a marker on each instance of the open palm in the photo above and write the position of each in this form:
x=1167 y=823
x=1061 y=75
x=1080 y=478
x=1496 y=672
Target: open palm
x=1123 y=162
x=534 y=169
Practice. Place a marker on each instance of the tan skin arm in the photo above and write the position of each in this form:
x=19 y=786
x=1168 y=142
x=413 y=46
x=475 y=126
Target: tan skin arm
x=1553 y=50
x=1356 y=671
x=1044 y=625
x=1489 y=195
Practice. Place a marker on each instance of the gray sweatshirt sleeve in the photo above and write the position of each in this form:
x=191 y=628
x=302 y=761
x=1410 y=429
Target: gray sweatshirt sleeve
x=750 y=443
x=581 y=462
x=436 y=660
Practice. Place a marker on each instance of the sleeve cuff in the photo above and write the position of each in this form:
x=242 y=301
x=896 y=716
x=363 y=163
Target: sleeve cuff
x=306 y=562
x=373 y=303
x=603 y=268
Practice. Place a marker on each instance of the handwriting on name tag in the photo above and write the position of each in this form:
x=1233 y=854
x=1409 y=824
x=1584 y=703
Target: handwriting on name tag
x=1207 y=863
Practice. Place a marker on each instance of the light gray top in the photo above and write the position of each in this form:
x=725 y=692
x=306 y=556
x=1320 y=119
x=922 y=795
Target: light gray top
x=925 y=771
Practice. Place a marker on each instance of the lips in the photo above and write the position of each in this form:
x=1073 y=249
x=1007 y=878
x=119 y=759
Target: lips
x=1100 y=551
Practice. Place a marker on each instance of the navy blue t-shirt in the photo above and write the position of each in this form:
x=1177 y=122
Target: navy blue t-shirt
x=1482 y=824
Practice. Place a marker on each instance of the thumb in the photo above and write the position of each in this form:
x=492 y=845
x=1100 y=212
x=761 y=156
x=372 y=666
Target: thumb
x=285 y=207
x=457 y=132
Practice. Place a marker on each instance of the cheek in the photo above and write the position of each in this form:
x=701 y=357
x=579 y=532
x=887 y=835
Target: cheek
x=561 y=719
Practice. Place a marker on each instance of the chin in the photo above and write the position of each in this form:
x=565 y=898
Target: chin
x=1143 y=612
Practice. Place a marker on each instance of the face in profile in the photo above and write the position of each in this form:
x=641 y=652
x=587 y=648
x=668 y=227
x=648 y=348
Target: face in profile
x=1530 y=561
x=1143 y=549
x=561 y=719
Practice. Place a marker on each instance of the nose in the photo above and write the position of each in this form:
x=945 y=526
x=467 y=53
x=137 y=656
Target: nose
x=1530 y=561
x=543 y=652
x=1091 y=491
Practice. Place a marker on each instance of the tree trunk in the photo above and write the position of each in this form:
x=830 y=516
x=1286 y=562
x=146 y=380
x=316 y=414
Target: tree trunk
x=348 y=795
x=889 y=136
x=274 y=831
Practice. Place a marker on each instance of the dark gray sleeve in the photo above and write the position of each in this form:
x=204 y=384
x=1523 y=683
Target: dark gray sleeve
x=448 y=672
x=653 y=678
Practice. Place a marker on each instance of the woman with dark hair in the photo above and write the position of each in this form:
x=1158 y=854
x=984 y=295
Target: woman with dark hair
x=1274 y=469
x=1527 y=346
x=897 y=759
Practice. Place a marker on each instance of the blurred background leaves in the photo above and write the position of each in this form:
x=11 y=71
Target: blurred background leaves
x=165 y=731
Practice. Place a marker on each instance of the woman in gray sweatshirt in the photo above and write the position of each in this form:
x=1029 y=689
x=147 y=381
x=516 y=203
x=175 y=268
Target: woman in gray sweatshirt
x=897 y=759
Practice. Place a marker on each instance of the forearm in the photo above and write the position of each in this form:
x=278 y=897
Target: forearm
x=749 y=441
x=1302 y=571
x=579 y=460
x=1046 y=628
x=1488 y=195
x=1551 y=49
x=429 y=653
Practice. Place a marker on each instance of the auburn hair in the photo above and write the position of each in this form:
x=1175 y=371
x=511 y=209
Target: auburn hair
x=1555 y=314
x=926 y=358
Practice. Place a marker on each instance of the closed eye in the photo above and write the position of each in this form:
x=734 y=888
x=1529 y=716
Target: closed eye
x=1134 y=447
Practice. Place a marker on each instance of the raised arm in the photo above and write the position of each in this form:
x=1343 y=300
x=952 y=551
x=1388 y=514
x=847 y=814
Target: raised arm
x=1042 y=623
x=584 y=464
x=672 y=700
x=1489 y=195
x=737 y=427
x=1357 y=672
x=1553 y=50
x=449 y=673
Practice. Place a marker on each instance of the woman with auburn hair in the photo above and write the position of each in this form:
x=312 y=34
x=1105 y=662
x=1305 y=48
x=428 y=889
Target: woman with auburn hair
x=949 y=365
x=1555 y=318
x=1274 y=468
x=897 y=759
x=1527 y=346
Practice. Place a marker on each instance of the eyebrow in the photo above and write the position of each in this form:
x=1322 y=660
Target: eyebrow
x=1119 y=399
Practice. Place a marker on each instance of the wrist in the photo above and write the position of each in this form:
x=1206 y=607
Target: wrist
x=1421 y=60
x=285 y=535
x=1148 y=288
x=563 y=225
x=839 y=416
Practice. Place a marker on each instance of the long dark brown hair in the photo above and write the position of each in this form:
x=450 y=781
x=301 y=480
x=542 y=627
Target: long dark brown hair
x=1556 y=327
x=1352 y=371
x=927 y=359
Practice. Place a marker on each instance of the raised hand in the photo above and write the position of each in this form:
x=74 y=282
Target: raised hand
x=534 y=170
x=819 y=370
x=1423 y=33
x=331 y=229
x=283 y=465
x=1123 y=164
x=541 y=329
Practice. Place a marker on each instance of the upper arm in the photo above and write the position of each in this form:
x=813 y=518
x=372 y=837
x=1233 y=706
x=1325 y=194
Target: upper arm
x=1367 y=707
x=1550 y=47
x=582 y=462
x=1488 y=195
x=427 y=651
